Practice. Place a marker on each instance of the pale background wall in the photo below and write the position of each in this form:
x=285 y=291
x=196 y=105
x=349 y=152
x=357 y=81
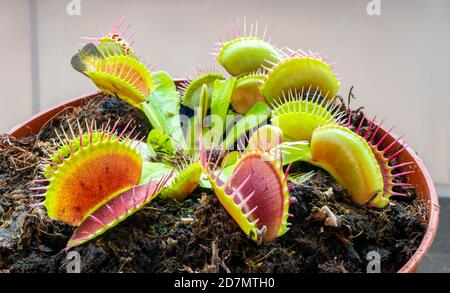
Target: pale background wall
x=399 y=62
x=15 y=60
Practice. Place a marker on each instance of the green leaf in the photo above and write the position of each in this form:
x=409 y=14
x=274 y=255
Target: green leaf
x=256 y=115
x=178 y=186
x=160 y=141
x=204 y=104
x=220 y=103
x=184 y=182
x=190 y=139
x=154 y=171
x=196 y=130
x=162 y=107
x=221 y=98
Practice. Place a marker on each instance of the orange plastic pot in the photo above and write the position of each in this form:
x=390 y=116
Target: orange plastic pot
x=420 y=178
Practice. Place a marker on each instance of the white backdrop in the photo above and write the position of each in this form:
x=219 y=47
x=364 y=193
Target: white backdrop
x=398 y=61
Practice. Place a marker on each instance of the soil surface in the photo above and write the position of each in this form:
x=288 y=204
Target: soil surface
x=196 y=235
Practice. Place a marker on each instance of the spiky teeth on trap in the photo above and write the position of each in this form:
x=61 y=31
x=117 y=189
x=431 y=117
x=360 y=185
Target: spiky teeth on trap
x=184 y=182
x=385 y=154
x=115 y=41
x=191 y=88
x=297 y=71
x=113 y=71
x=297 y=114
x=101 y=165
x=255 y=195
x=358 y=163
x=246 y=52
x=349 y=159
x=115 y=211
x=362 y=164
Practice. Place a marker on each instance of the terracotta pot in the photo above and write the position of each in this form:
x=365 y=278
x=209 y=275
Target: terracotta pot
x=420 y=178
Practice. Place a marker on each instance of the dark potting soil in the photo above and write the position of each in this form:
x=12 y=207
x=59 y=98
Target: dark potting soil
x=196 y=235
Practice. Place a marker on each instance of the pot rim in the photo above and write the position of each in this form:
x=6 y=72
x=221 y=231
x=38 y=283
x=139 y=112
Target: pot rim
x=433 y=215
x=35 y=124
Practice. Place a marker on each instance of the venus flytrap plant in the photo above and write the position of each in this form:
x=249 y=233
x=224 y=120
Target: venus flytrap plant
x=186 y=177
x=73 y=175
x=220 y=103
x=299 y=113
x=112 y=65
x=258 y=114
x=349 y=159
x=163 y=109
x=247 y=92
x=115 y=211
x=191 y=87
x=215 y=133
x=255 y=194
x=115 y=41
x=247 y=52
x=160 y=103
x=223 y=95
x=96 y=183
x=385 y=156
x=265 y=138
x=197 y=127
x=369 y=179
x=161 y=143
x=297 y=71
x=355 y=161
x=98 y=178
x=124 y=77
x=119 y=75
